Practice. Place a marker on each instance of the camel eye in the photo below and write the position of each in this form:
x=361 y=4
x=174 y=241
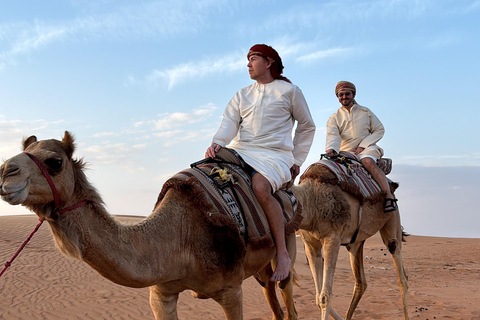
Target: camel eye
x=54 y=164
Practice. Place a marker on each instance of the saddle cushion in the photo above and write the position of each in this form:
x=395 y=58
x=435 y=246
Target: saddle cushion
x=228 y=190
x=351 y=176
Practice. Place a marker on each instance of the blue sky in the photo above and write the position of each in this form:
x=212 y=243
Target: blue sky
x=142 y=86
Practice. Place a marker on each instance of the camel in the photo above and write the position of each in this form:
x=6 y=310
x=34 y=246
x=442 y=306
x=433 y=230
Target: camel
x=333 y=218
x=172 y=250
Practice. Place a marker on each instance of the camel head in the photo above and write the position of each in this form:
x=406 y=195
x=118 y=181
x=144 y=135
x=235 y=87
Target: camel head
x=23 y=182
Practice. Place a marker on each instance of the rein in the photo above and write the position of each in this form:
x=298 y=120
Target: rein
x=56 y=211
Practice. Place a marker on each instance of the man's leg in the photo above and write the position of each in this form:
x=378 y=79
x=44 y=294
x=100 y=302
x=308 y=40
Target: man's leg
x=273 y=210
x=378 y=175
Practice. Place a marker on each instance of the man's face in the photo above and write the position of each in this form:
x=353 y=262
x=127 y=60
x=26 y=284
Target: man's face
x=258 y=67
x=345 y=97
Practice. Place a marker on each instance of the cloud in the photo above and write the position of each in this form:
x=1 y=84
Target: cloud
x=167 y=121
x=459 y=160
x=322 y=54
x=120 y=154
x=13 y=131
x=170 y=138
x=104 y=134
x=154 y=20
x=443 y=41
x=197 y=70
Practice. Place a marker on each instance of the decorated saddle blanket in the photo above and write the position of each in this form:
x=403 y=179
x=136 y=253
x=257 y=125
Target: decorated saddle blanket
x=347 y=171
x=227 y=187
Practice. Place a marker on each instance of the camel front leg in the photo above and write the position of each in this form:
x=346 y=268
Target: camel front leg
x=356 y=263
x=231 y=300
x=323 y=270
x=313 y=251
x=164 y=306
x=392 y=236
x=331 y=247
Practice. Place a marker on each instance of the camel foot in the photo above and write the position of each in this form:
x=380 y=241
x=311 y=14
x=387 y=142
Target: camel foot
x=282 y=269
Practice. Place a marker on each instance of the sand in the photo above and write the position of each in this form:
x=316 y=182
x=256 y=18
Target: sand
x=444 y=283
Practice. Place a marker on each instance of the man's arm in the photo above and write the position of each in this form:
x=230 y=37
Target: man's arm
x=305 y=131
x=333 y=139
x=228 y=128
x=376 y=131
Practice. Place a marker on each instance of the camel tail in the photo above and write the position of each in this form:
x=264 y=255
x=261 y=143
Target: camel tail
x=295 y=278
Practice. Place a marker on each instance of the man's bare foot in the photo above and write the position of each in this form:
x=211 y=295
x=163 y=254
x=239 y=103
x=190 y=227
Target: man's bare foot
x=282 y=269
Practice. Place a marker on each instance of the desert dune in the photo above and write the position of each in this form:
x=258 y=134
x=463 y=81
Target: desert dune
x=444 y=282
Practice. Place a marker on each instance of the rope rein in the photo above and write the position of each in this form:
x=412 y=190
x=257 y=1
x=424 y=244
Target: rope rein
x=9 y=262
x=55 y=212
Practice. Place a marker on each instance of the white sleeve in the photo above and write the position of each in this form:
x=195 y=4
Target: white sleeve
x=334 y=140
x=230 y=122
x=305 y=131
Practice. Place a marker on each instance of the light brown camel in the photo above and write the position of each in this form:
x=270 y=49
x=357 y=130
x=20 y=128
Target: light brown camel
x=331 y=219
x=172 y=250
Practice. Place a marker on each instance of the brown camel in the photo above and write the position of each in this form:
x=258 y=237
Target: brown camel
x=332 y=218
x=172 y=250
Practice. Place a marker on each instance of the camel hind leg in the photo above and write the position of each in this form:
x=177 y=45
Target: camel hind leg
x=286 y=286
x=268 y=287
x=392 y=236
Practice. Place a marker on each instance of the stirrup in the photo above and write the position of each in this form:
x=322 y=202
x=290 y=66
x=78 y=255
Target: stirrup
x=391 y=204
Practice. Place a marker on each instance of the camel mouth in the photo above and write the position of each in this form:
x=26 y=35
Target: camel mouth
x=14 y=194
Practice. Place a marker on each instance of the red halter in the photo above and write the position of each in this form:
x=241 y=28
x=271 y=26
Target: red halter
x=56 y=197
x=55 y=212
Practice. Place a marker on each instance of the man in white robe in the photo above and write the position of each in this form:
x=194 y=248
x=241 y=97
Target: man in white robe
x=258 y=123
x=357 y=129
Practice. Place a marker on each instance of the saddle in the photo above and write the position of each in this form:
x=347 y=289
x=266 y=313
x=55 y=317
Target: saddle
x=228 y=191
x=347 y=171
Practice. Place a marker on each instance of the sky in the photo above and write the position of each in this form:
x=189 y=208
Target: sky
x=142 y=86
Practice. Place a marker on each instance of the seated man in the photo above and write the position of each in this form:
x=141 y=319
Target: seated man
x=259 y=121
x=356 y=129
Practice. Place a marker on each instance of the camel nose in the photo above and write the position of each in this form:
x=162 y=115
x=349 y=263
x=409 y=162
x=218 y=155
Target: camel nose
x=8 y=169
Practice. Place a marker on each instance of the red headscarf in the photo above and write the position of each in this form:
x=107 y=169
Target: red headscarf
x=268 y=52
x=345 y=85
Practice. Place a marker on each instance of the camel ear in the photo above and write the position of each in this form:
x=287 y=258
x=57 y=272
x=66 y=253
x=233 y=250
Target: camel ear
x=68 y=144
x=28 y=141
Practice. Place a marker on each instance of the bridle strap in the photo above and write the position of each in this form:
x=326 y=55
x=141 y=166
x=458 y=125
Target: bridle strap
x=56 y=197
x=48 y=177
x=78 y=205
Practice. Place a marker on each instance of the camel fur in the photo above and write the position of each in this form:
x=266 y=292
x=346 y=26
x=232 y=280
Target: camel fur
x=172 y=250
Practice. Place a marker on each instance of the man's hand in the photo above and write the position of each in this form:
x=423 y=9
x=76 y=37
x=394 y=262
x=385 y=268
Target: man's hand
x=359 y=150
x=330 y=152
x=210 y=153
x=294 y=171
